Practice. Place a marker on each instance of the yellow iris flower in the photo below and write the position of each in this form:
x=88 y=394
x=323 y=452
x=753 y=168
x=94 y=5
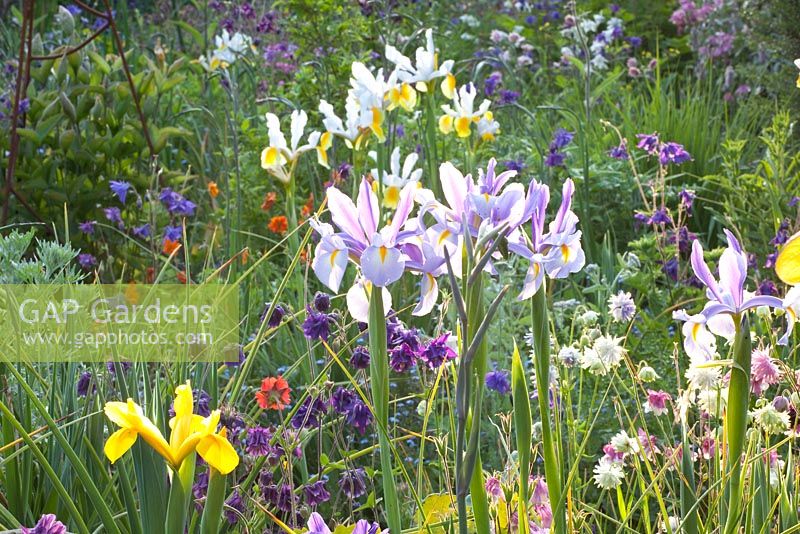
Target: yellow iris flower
x=189 y=433
x=787 y=266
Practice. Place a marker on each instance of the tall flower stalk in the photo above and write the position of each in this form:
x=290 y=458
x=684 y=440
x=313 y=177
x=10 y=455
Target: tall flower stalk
x=553 y=470
x=725 y=314
x=379 y=383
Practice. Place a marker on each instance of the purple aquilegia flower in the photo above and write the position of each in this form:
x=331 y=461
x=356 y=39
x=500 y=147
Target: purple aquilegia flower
x=317 y=325
x=561 y=138
x=360 y=358
x=436 y=352
x=727 y=297
x=358 y=415
x=257 y=441
x=143 y=231
x=114 y=215
x=315 y=493
x=309 y=413
x=687 y=197
x=173 y=233
x=84 y=381
x=649 y=143
x=87 y=227
x=555 y=158
x=673 y=153
x=499 y=381
x=120 y=189
x=322 y=301
x=175 y=203
x=87 y=261
x=402 y=358
x=353 y=482
x=507 y=96
x=234 y=507
x=767 y=287
x=620 y=151
x=200 y=489
x=47 y=524
x=275 y=318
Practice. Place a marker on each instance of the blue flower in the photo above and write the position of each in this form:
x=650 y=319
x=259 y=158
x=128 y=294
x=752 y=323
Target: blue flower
x=120 y=189
x=499 y=381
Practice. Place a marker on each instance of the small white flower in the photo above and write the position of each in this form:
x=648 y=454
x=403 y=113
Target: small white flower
x=770 y=419
x=621 y=307
x=608 y=474
x=624 y=444
x=609 y=350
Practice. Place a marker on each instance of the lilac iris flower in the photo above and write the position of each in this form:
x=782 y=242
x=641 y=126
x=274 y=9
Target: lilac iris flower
x=379 y=253
x=726 y=298
x=317 y=525
x=557 y=253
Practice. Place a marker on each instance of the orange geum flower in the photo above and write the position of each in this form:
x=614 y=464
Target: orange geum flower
x=269 y=200
x=213 y=189
x=170 y=246
x=274 y=393
x=278 y=224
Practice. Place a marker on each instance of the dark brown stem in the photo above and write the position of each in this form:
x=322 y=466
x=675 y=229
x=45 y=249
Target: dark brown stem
x=23 y=71
x=118 y=40
x=74 y=49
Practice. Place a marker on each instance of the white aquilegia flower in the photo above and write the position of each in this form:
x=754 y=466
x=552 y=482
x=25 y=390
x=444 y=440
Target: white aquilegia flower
x=608 y=474
x=569 y=356
x=280 y=154
x=621 y=307
x=396 y=178
x=609 y=350
x=624 y=444
x=770 y=419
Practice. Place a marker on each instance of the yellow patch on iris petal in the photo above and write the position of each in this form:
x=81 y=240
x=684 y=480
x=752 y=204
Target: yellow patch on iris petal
x=787 y=266
x=462 y=126
x=444 y=235
x=377 y=124
x=383 y=251
x=565 y=253
x=333 y=256
x=449 y=86
x=695 y=330
x=270 y=157
x=445 y=124
x=391 y=196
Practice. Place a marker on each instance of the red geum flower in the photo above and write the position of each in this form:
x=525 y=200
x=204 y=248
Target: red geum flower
x=269 y=201
x=278 y=224
x=274 y=393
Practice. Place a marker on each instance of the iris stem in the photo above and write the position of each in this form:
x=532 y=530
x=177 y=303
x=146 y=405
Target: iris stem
x=179 y=496
x=215 y=499
x=541 y=361
x=736 y=419
x=379 y=384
